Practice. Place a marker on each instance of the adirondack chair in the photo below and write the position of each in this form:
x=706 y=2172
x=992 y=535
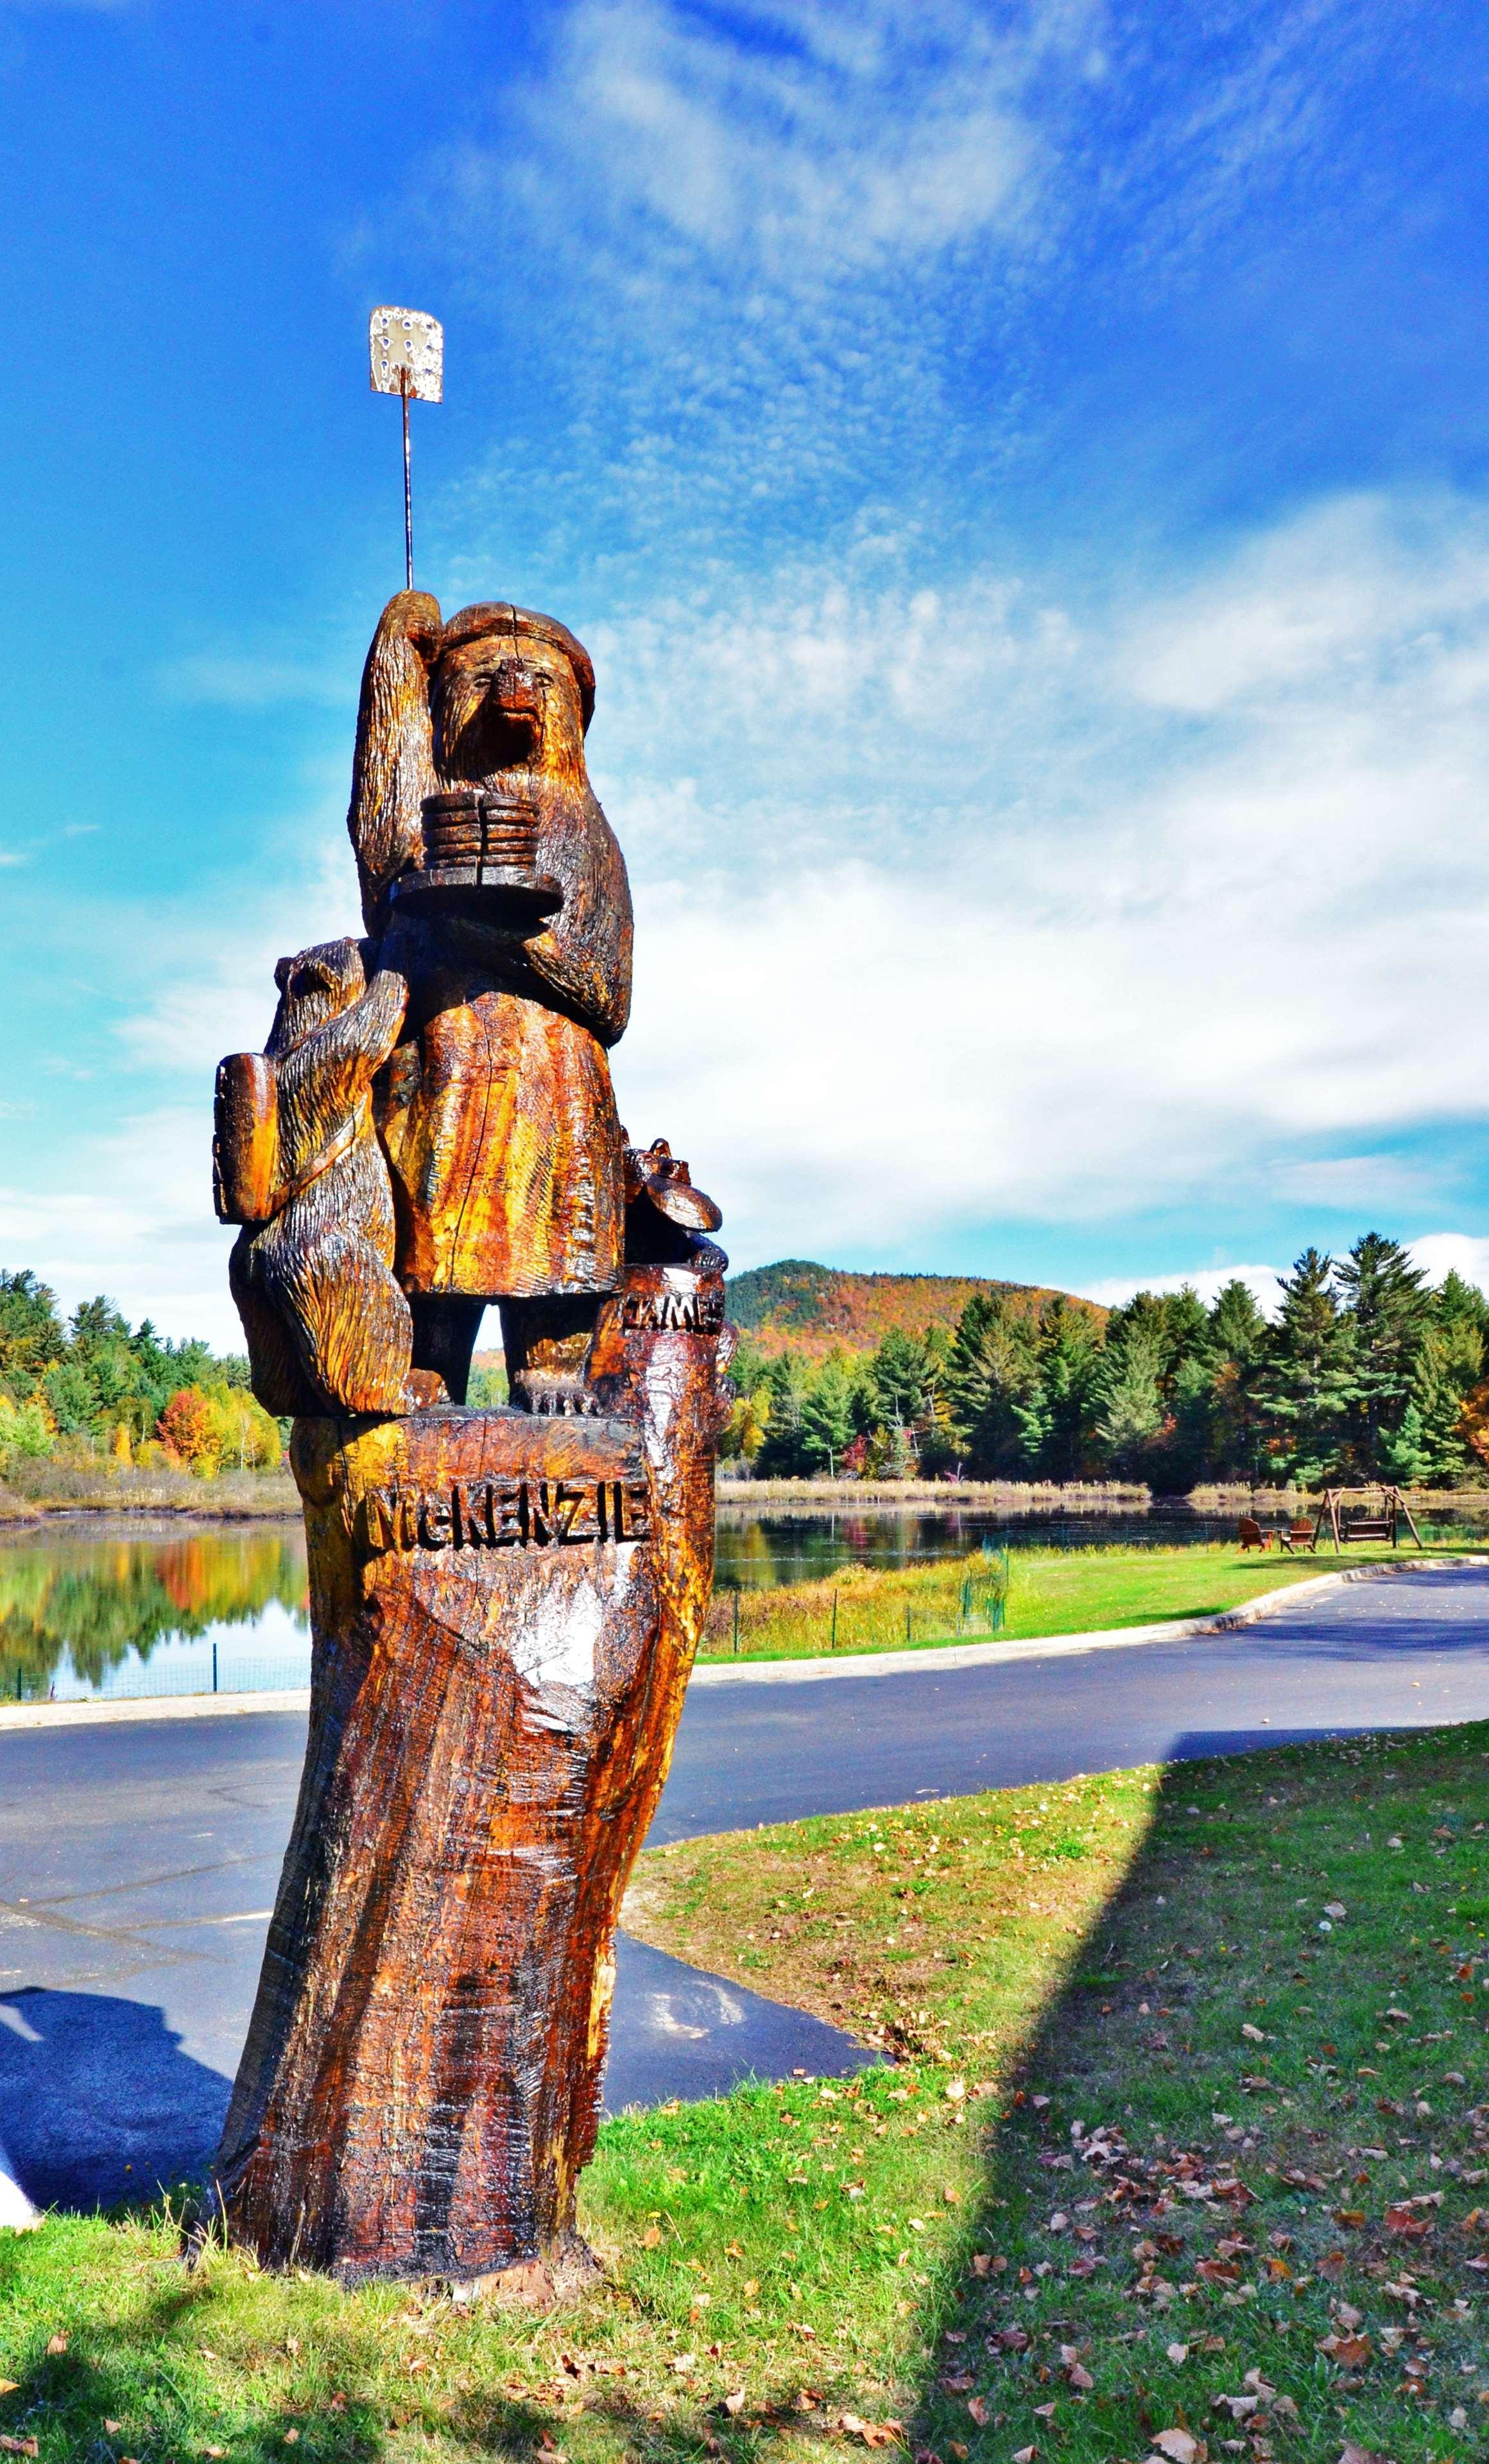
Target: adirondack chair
x=1251 y=1534
x=1301 y=1535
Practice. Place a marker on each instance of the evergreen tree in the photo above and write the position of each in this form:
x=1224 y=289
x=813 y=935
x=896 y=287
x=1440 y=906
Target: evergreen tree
x=1125 y=1397
x=1227 y=1439
x=827 y=1414
x=1392 y=1310
x=783 y=1455
x=1306 y=1387
x=901 y=1379
x=1056 y=1416
x=1456 y=1302
x=1430 y=1447
x=992 y=1365
x=1237 y=1330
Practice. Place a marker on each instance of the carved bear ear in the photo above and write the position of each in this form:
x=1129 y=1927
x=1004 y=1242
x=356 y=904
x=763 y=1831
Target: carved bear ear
x=283 y=968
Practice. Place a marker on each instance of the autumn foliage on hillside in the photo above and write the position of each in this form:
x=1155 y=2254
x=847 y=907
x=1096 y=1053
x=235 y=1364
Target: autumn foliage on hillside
x=818 y=1309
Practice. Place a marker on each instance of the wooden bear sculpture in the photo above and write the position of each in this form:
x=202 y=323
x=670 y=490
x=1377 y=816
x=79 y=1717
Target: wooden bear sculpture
x=505 y=1602
x=298 y=1165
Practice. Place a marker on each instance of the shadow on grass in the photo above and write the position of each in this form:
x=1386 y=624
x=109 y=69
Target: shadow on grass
x=1097 y=2303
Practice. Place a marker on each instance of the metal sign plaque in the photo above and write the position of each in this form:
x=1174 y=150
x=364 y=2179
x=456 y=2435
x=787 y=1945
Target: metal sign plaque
x=406 y=351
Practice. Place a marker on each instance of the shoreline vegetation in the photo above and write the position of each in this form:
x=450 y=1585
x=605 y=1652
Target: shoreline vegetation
x=1177 y=2143
x=36 y=1490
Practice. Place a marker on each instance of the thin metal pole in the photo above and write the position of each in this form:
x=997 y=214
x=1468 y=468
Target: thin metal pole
x=408 y=487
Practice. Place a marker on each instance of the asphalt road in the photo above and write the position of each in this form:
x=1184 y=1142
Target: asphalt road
x=138 y=1861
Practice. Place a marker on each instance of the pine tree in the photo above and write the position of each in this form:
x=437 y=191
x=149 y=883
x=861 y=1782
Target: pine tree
x=1057 y=1415
x=1431 y=1446
x=900 y=1379
x=1227 y=1436
x=1391 y=1308
x=1125 y=1395
x=993 y=1364
x=1306 y=1387
x=827 y=1414
x=783 y=1456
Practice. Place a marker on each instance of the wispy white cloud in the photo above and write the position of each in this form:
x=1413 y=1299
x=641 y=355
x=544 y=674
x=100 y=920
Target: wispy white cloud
x=235 y=680
x=829 y=146
x=904 y=968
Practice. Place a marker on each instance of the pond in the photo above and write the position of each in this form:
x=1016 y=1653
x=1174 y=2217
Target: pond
x=762 y=1546
x=92 y=1609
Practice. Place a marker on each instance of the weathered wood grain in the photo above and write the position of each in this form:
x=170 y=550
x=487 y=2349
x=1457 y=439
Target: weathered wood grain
x=505 y=1608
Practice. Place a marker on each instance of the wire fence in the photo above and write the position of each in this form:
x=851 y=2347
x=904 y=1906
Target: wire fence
x=222 y=1672
x=847 y=1617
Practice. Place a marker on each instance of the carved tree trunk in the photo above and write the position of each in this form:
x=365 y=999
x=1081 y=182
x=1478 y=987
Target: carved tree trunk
x=504 y=1612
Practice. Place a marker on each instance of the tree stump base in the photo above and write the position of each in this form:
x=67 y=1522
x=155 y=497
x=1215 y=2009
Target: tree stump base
x=504 y=1610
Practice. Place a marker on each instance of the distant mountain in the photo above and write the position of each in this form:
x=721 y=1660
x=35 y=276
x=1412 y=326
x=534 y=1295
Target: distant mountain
x=812 y=1307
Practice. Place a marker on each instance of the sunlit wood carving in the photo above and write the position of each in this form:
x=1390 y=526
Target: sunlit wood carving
x=504 y=1603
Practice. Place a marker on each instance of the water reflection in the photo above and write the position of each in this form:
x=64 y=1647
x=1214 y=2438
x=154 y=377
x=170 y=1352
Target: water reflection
x=132 y=1610
x=757 y=1549
x=79 y=1614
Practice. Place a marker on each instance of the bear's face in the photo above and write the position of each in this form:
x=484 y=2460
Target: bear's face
x=502 y=705
x=314 y=986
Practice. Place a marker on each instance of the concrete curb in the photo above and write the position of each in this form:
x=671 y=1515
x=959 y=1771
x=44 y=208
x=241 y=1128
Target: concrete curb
x=157 y=1707
x=790 y=1672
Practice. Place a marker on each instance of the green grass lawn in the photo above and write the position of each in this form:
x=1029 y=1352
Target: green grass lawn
x=1157 y=2159
x=1051 y=1591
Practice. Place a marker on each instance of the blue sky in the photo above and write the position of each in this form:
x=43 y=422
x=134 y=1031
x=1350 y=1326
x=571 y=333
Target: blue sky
x=1020 y=473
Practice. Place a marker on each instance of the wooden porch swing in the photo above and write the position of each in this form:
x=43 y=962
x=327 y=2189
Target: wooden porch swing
x=1352 y=1527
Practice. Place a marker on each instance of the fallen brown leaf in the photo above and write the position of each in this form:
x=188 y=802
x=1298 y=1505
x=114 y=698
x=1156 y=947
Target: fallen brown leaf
x=56 y=2343
x=1177 y=2444
x=1401 y=2220
x=874 y=2433
x=978 y=2410
x=1349 y=2351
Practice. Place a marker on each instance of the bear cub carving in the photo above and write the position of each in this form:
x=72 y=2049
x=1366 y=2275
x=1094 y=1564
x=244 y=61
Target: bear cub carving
x=298 y=1165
